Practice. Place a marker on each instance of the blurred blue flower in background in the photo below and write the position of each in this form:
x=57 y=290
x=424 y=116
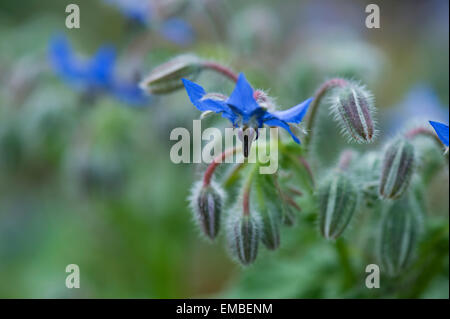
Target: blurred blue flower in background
x=242 y=109
x=175 y=30
x=137 y=10
x=93 y=75
x=441 y=131
x=178 y=31
x=419 y=104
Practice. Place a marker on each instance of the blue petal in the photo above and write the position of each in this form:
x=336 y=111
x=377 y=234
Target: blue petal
x=242 y=97
x=129 y=93
x=441 y=131
x=177 y=31
x=277 y=122
x=196 y=94
x=137 y=10
x=101 y=66
x=293 y=115
x=64 y=61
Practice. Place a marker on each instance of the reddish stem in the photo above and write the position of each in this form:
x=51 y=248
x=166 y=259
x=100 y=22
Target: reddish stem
x=216 y=162
x=308 y=168
x=221 y=69
x=422 y=131
x=291 y=202
x=331 y=83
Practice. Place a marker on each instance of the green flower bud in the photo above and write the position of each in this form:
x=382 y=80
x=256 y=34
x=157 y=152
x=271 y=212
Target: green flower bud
x=338 y=199
x=166 y=78
x=353 y=109
x=206 y=204
x=397 y=235
x=367 y=172
x=270 y=208
x=244 y=234
x=398 y=166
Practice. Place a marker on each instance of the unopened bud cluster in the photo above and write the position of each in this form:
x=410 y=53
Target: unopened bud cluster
x=377 y=180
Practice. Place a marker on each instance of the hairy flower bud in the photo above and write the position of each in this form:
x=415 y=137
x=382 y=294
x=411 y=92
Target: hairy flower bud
x=244 y=234
x=270 y=208
x=166 y=78
x=397 y=235
x=397 y=168
x=338 y=199
x=353 y=109
x=206 y=204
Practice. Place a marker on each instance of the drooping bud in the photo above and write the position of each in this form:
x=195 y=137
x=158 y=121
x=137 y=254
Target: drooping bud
x=353 y=109
x=206 y=204
x=166 y=78
x=338 y=199
x=270 y=208
x=244 y=234
x=398 y=166
x=397 y=235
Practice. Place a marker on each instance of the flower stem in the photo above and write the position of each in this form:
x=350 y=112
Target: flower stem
x=246 y=192
x=344 y=258
x=422 y=131
x=216 y=162
x=221 y=69
x=320 y=93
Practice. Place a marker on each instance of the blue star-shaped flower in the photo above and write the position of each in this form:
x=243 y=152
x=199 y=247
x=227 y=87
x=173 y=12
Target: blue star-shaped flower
x=95 y=74
x=242 y=109
x=441 y=131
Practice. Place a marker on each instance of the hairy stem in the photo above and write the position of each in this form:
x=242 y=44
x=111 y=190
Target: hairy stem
x=246 y=191
x=320 y=93
x=221 y=69
x=422 y=131
x=216 y=162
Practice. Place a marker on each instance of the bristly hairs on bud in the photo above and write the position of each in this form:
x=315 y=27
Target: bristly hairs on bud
x=269 y=205
x=243 y=235
x=338 y=200
x=353 y=107
x=206 y=202
x=397 y=237
x=397 y=168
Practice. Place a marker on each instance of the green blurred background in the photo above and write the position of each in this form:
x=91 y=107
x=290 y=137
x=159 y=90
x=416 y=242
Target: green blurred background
x=90 y=182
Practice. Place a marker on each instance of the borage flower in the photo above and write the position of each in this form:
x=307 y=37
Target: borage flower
x=159 y=15
x=441 y=131
x=245 y=107
x=93 y=75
